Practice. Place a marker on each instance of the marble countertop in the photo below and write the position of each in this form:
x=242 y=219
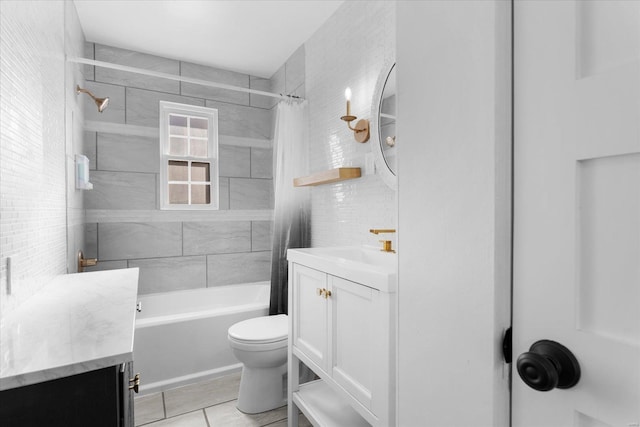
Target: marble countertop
x=75 y=324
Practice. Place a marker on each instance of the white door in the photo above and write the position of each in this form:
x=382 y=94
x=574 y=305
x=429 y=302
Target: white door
x=577 y=207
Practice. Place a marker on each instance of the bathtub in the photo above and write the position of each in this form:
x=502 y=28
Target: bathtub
x=181 y=336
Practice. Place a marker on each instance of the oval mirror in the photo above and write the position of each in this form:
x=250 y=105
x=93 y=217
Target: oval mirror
x=383 y=129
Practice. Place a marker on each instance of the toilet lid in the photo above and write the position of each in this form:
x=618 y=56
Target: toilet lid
x=263 y=329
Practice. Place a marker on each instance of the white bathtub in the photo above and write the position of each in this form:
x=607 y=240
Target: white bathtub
x=181 y=337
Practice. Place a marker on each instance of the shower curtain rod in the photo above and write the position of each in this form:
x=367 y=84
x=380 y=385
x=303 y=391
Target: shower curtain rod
x=180 y=78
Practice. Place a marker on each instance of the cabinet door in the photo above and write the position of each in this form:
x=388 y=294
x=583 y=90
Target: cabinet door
x=310 y=314
x=81 y=400
x=354 y=349
x=126 y=395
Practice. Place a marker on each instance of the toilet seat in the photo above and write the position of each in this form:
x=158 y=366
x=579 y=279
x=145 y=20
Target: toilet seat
x=261 y=330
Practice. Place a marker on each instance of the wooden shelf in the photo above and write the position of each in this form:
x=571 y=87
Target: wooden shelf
x=324 y=408
x=327 y=177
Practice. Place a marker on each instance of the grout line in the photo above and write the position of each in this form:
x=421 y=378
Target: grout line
x=206 y=270
x=97 y=240
x=125 y=104
x=206 y=420
x=164 y=407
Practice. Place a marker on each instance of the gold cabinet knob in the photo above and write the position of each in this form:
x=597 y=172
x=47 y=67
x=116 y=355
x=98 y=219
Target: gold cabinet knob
x=325 y=293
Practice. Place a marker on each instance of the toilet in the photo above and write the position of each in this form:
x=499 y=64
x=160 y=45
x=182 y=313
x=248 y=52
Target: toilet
x=261 y=345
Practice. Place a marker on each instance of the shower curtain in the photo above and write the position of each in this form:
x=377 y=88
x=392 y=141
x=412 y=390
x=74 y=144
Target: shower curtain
x=291 y=226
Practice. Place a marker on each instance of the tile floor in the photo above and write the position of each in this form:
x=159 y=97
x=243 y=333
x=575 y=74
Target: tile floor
x=206 y=404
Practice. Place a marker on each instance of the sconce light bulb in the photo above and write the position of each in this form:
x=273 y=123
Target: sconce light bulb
x=347 y=94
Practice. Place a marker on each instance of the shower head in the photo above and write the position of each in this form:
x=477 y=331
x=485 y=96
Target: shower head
x=100 y=102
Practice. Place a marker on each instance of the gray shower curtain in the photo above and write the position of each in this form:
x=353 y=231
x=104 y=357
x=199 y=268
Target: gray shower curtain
x=291 y=225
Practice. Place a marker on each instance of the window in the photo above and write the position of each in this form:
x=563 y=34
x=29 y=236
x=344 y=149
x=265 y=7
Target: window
x=188 y=157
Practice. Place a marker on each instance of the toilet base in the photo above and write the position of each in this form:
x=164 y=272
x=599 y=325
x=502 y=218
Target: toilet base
x=262 y=389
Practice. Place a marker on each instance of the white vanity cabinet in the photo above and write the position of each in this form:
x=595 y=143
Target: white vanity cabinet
x=344 y=332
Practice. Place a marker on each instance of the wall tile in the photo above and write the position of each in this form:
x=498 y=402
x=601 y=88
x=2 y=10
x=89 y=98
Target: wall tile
x=107 y=265
x=261 y=235
x=230 y=269
x=129 y=58
x=224 y=194
x=128 y=153
x=74 y=135
x=216 y=237
x=89 y=148
x=278 y=80
x=121 y=190
x=247 y=193
x=241 y=120
x=294 y=76
x=170 y=274
x=300 y=91
x=215 y=75
x=235 y=161
x=114 y=113
x=75 y=240
x=343 y=213
x=88 y=71
x=261 y=163
x=117 y=241
x=91 y=241
x=33 y=206
x=143 y=106
x=261 y=101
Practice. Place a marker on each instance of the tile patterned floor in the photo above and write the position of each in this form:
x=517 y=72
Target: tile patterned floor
x=206 y=404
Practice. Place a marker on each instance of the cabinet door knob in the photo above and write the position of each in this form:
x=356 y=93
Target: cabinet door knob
x=325 y=293
x=136 y=383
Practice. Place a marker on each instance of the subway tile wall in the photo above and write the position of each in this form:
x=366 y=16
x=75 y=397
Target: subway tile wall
x=182 y=254
x=33 y=206
x=349 y=50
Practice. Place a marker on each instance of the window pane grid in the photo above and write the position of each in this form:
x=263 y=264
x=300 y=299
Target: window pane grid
x=189 y=147
x=202 y=187
x=189 y=130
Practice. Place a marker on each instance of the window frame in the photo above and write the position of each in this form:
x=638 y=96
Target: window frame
x=211 y=114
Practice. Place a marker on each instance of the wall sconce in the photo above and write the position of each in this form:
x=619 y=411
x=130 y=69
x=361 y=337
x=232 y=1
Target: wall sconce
x=361 y=131
x=100 y=102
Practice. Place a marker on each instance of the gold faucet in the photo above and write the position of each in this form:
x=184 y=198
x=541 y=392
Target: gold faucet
x=85 y=262
x=386 y=244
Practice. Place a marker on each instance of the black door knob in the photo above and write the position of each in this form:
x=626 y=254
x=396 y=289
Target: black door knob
x=548 y=365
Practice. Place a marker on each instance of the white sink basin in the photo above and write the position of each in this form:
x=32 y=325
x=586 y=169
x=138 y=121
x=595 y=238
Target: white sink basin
x=361 y=264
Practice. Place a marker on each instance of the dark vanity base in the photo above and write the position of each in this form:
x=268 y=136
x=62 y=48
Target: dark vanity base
x=97 y=398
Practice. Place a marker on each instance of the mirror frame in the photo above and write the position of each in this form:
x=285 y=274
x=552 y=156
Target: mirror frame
x=382 y=169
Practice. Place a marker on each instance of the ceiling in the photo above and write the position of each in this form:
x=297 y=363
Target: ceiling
x=249 y=36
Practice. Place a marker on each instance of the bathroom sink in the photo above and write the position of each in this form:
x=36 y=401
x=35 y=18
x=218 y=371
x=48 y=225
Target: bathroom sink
x=369 y=256
x=362 y=264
